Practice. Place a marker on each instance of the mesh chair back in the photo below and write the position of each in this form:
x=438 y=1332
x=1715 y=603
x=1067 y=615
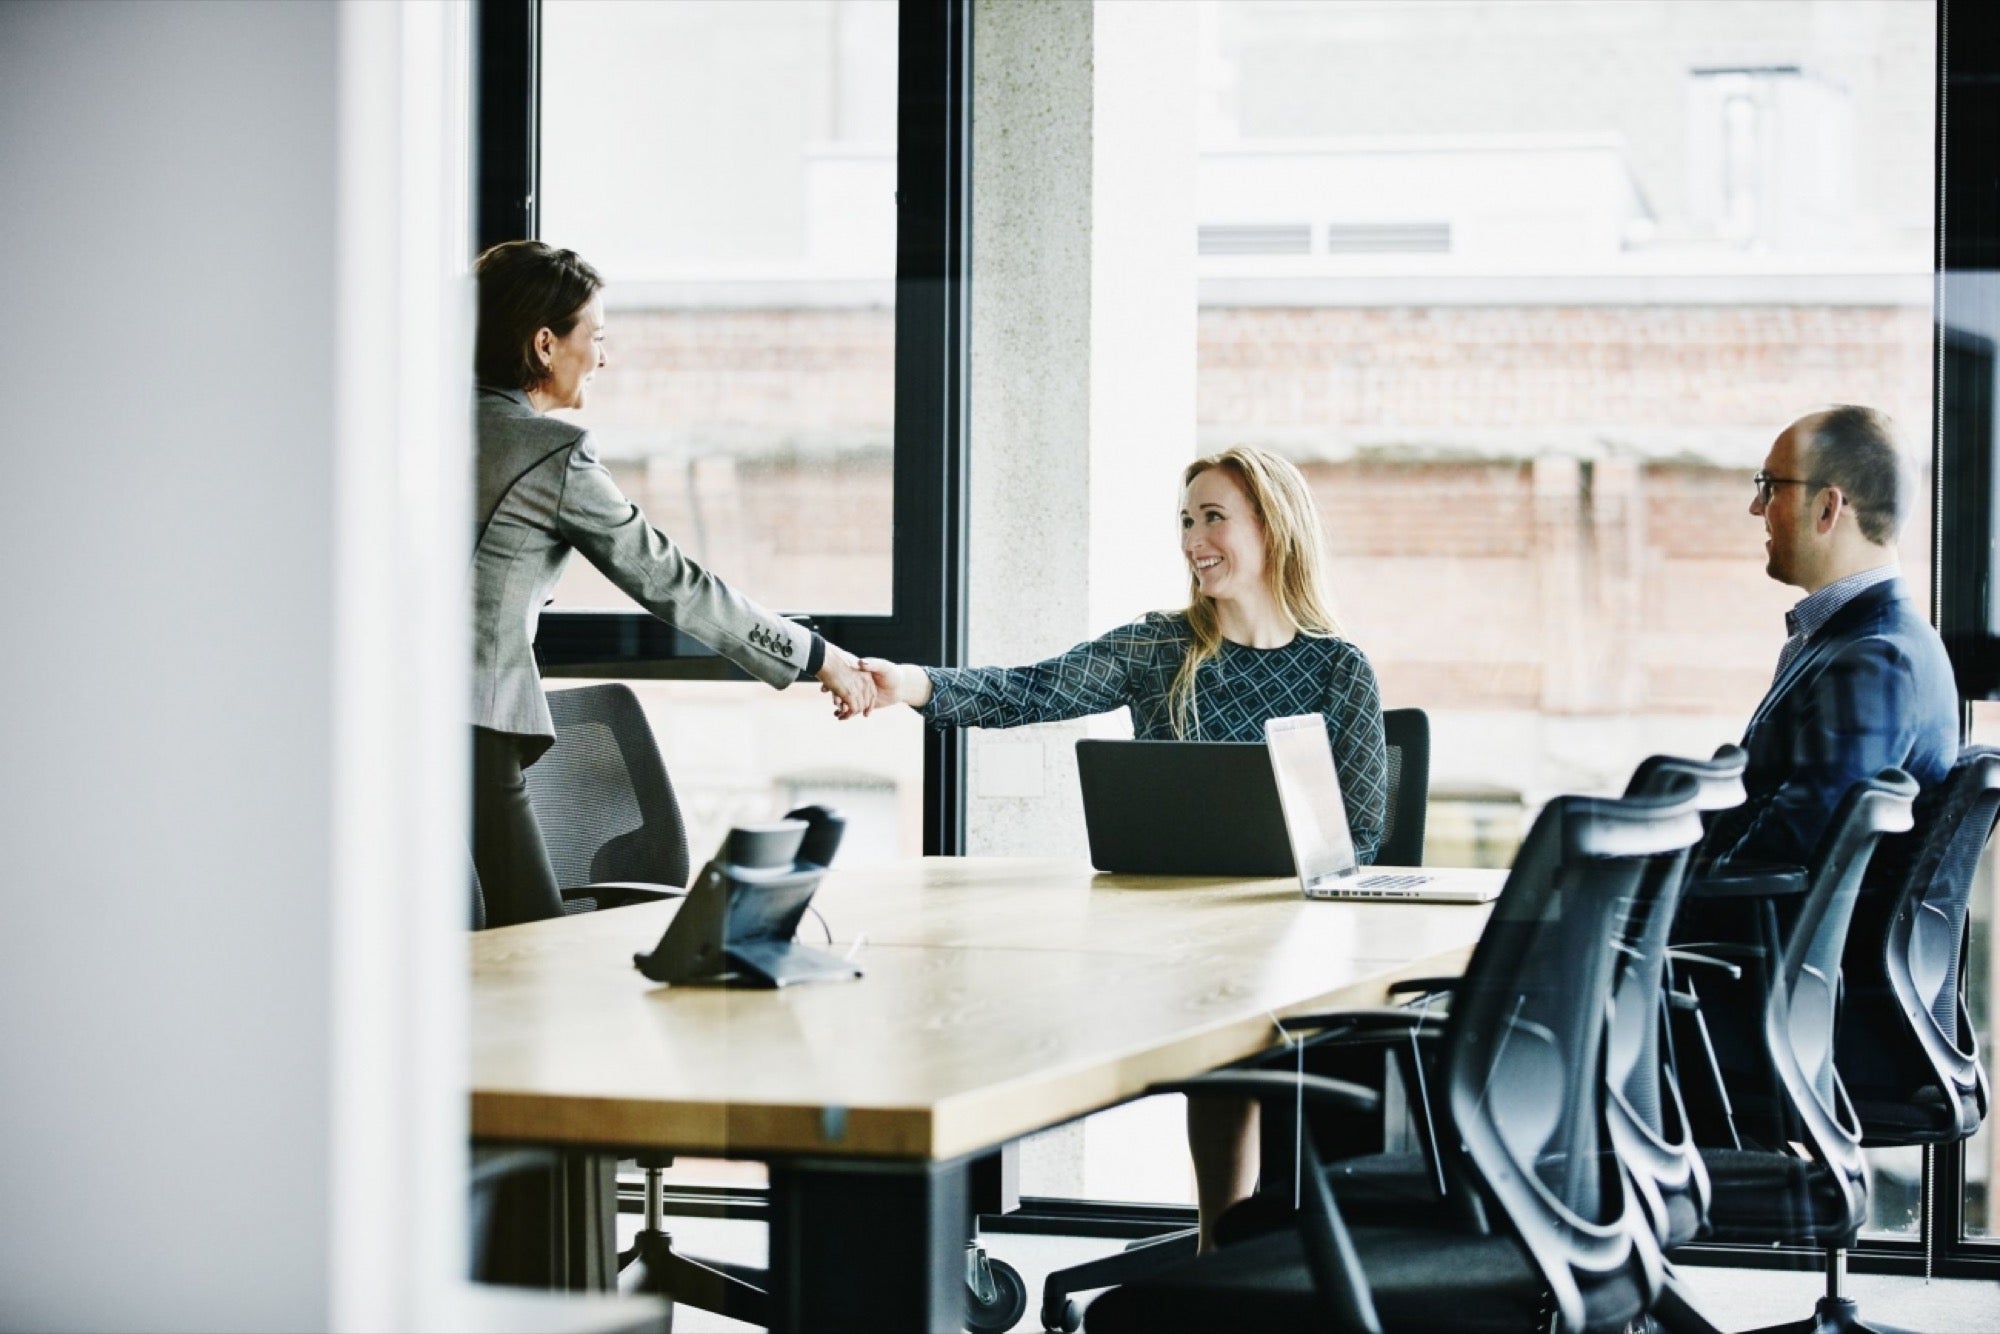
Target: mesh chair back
x=1647 y=1119
x=602 y=796
x=1523 y=1058
x=1907 y=1052
x=1801 y=1009
x=1407 y=734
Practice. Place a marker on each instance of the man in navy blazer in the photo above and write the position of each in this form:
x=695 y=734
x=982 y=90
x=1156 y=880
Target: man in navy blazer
x=1863 y=681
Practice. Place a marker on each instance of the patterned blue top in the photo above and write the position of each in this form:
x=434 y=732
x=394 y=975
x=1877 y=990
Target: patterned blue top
x=1237 y=690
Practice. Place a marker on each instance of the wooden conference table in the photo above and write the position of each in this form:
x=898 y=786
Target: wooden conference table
x=1001 y=997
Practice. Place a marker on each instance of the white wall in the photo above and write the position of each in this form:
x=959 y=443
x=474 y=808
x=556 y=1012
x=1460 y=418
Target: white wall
x=227 y=468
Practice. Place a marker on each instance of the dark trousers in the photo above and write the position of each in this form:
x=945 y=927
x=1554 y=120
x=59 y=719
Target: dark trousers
x=514 y=873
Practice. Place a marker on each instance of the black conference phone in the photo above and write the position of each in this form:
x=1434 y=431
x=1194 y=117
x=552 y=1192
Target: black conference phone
x=736 y=925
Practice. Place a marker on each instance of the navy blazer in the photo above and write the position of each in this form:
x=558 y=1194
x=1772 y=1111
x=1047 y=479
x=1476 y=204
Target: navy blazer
x=1870 y=689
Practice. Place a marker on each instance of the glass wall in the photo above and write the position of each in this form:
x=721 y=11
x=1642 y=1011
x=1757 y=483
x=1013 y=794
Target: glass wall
x=1527 y=289
x=731 y=170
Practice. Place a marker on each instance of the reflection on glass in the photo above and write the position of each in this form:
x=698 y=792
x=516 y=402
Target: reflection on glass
x=731 y=170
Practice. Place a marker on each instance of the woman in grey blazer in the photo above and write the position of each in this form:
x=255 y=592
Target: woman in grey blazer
x=542 y=493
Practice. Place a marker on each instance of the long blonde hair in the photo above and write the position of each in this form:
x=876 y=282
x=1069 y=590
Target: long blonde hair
x=1294 y=564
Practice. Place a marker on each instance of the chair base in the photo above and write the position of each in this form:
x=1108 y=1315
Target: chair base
x=1833 y=1315
x=1061 y=1316
x=653 y=1267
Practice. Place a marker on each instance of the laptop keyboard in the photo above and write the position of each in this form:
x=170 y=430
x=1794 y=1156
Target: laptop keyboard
x=1391 y=880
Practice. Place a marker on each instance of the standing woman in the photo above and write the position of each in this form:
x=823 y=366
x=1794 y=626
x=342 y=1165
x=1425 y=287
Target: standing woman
x=1256 y=641
x=542 y=493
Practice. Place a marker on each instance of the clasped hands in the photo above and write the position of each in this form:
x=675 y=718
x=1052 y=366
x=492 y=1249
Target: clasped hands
x=859 y=685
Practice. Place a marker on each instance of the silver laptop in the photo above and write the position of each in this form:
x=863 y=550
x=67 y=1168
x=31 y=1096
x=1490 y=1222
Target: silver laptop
x=1322 y=847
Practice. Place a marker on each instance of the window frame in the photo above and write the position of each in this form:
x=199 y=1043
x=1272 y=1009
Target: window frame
x=928 y=560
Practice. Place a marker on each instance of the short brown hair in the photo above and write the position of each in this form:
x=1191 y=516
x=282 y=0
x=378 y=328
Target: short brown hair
x=1854 y=448
x=525 y=287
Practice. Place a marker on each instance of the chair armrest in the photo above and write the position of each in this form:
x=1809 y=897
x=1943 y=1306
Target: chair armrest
x=620 y=894
x=1395 y=1020
x=1681 y=955
x=1440 y=986
x=1273 y=1085
x=1750 y=882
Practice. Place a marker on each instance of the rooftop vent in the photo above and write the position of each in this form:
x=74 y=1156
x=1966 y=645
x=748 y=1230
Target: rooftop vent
x=1282 y=238
x=1379 y=238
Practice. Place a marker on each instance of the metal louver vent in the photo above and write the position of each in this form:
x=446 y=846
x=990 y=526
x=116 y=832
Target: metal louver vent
x=1283 y=238
x=1370 y=238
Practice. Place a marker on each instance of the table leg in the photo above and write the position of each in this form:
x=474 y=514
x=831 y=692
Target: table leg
x=870 y=1247
x=996 y=1180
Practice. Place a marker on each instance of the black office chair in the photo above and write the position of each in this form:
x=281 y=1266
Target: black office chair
x=607 y=809
x=1521 y=1128
x=1793 y=1173
x=1406 y=734
x=1906 y=1049
x=608 y=815
x=1648 y=1120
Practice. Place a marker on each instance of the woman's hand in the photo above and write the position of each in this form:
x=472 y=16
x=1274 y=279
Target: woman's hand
x=851 y=685
x=899 y=683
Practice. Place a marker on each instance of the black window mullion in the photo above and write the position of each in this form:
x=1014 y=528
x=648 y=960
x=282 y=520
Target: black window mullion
x=1968 y=242
x=926 y=623
x=507 y=57
x=932 y=239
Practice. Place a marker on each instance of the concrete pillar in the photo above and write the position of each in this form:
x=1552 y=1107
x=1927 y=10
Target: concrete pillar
x=1083 y=349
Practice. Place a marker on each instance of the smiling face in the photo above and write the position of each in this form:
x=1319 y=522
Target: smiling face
x=1222 y=538
x=572 y=359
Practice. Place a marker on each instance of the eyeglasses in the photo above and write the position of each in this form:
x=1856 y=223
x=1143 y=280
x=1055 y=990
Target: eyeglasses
x=1764 y=482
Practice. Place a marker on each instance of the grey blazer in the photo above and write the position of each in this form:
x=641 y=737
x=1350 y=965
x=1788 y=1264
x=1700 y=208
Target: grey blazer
x=542 y=494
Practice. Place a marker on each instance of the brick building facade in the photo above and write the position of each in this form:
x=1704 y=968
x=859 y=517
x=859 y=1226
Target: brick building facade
x=1531 y=508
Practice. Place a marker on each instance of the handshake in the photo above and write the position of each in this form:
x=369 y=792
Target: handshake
x=860 y=685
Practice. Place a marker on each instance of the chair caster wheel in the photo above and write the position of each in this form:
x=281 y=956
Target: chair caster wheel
x=1066 y=1319
x=996 y=1296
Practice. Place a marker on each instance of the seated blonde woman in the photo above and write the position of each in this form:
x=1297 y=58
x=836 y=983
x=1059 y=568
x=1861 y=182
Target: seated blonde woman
x=1256 y=641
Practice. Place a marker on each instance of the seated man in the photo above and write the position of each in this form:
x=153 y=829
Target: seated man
x=1863 y=681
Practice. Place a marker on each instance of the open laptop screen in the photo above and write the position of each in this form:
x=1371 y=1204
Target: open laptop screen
x=1309 y=791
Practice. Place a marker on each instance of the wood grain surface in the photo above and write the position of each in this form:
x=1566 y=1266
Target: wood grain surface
x=1001 y=997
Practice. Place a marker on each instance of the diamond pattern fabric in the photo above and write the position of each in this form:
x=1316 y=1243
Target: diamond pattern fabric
x=1133 y=667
